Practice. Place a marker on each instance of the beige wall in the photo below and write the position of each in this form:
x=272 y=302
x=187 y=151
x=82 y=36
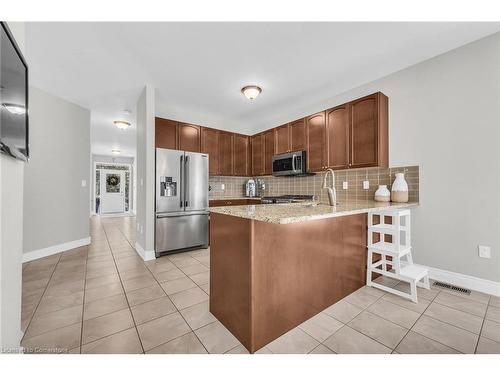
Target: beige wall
x=56 y=205
x=145 y=169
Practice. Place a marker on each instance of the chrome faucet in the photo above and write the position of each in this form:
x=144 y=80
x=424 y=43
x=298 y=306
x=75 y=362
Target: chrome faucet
x=332 y=193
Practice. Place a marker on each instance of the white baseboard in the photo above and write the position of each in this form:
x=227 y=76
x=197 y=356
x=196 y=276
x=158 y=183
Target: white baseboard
x=117 y=214
x=37 y=254
x=465 y=281
x=144 y=254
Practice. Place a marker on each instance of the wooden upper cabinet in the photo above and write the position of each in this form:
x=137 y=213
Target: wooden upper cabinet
x=351 y=135
x=369 y=131
x=257 y=155
x=165 y=133
x=189 y=137
x=210 y=146
x=226 y=149
x=337 y=137
x=315 y=126
x=282 y=139
x=297 y=131
x=268 y=151
x=241 y=155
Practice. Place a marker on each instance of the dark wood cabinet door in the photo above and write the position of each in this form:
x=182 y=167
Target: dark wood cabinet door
x=337 y=137
x=241 y=155
x=364 y=132
x=282 y=139
x=189 y=137
x=268 y=151
x=226 y=149
x=297 y=130
x=315 y=126
x=257 y=155
x=165 y=133
x=210 y=146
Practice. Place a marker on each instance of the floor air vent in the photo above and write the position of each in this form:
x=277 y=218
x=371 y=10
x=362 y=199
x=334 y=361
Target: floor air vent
x=451 y=287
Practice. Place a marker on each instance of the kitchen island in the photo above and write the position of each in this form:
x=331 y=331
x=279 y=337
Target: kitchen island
x=274 y=266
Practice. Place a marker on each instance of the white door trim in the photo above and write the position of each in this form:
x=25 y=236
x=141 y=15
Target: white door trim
x=131 y=171
x=112 y=202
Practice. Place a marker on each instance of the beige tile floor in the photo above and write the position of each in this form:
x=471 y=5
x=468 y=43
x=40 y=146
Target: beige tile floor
x=103 y=298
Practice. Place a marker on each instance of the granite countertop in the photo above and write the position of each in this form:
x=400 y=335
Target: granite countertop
x=288 y=213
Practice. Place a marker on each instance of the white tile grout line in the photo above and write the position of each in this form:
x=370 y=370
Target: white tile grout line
x=177 y=310
x=38 y=304
x=83 y=301
x=121 y=281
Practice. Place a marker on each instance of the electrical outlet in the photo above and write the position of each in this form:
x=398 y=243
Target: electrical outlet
x=484 y=251
x=84 y=183
x=345 y=185
x=366 y=184
x=222 y=186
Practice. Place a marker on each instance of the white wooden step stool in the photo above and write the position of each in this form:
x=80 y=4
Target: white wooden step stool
x=398 y=249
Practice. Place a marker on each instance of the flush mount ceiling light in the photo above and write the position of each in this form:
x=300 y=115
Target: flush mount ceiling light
x=15 y=109
x=115 y=152
x=251 y=92
x=122 y=124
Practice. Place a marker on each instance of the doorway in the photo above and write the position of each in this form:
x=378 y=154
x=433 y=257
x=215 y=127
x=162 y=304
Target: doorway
x=112 y=188
x=112 y=192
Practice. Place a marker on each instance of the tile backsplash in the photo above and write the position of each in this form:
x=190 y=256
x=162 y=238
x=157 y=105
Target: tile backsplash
x=234 y=186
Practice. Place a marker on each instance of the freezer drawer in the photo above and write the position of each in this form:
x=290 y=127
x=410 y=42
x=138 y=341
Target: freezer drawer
x=185 y=230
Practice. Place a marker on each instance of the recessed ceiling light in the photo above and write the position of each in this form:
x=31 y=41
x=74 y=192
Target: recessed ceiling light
x=15 y=109
x=122 y=124
x=115 y=152
x=251 y=91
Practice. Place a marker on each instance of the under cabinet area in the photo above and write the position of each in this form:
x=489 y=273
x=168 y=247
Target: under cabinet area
x=350 y=135
x=233 y=202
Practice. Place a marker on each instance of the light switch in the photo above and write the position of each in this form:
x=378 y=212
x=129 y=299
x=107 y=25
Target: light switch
x=142 y=182
x=345 y=185
x=366 y=184
x=84 y=183
x=484 y=251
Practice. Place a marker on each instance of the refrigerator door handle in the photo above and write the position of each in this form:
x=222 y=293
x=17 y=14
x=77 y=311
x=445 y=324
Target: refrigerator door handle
x=183 y=214
x=186 y=182
x=181 y=182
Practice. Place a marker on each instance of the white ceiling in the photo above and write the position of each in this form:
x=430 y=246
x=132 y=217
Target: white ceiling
x=199 y=68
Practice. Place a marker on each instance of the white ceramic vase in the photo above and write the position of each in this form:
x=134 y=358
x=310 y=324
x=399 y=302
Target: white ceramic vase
x=382 y=194
x=399 y=191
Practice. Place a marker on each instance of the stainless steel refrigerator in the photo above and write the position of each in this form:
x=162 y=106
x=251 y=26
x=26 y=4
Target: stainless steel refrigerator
x=181 y=200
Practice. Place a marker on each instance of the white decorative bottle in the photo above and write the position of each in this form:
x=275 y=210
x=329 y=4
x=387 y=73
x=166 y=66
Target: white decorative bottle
x=399 y=192
x=382 y=194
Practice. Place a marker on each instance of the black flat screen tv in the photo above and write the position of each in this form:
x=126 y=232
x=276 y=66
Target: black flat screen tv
x=13 y=98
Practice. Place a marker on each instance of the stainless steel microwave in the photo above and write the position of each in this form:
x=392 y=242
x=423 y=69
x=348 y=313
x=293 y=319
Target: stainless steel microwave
x=290 y=164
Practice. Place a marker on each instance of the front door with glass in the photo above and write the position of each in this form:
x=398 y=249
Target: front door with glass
x=112 y=191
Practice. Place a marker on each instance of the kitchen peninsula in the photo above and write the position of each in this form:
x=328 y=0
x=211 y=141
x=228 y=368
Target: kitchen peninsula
x=275 y=266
